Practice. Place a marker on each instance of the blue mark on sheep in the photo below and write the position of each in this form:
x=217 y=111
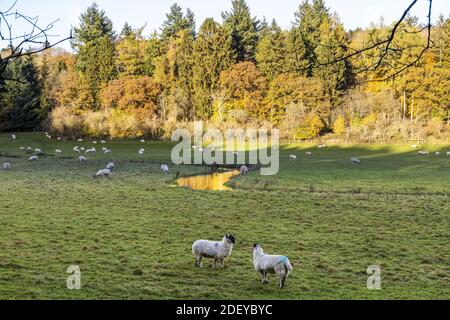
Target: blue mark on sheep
x=284 y=259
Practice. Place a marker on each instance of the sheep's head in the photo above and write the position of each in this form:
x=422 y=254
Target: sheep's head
x=230 y=238
x=257 y=248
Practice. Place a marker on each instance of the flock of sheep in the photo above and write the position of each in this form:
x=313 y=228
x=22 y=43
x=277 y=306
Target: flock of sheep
x=264 y=264
x=103 y=173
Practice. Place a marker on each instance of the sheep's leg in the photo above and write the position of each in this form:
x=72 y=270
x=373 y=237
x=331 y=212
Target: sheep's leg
x=223 y=264
x=282 y=281
x=263 y=280
x=214 y=263
x=198 y=262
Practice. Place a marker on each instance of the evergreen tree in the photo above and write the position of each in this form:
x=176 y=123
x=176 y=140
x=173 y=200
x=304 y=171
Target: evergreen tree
x=176 y=21
x=212 y=54
x=131 y=52
x=152 y=52
x=243 y=30
x=127 y=30
x=21 y=98
x=94 y=43
x=272 y=52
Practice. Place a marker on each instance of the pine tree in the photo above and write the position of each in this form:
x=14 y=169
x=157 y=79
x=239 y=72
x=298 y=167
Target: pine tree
x=152 y=52
x=176 y=21
x=212 y=54
x=94 y=44
x=127 y=30
x=272 y=52
x=21 y=97
x=243 y=29
x=131 y=52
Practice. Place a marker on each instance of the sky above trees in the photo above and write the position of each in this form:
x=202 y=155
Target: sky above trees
x=353 y=13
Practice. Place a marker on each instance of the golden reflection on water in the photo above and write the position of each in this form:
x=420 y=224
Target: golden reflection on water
x=215 y=181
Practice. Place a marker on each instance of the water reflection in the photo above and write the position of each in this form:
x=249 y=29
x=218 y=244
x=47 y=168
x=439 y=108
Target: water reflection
x=215 y=181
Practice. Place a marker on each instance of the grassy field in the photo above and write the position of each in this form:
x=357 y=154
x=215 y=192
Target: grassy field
x=132 y=235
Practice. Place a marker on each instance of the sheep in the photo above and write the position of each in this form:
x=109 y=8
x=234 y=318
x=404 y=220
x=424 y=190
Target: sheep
x=94 y=142
x=59 y=138
x=13 y=136
x=355 y=161
x=33 y=158
x=423 y=153
x=80 y=140
x=110 y=166
x=105 y=173
x=82 y=159
x=29 y=149
x=83 y=149
x=211 y=249
x=292 y=157
x=321 y=146
x=141 y=153
x=308 y=154
x=437 y=154
x=194 y=147
x=415 y=146
x=37 y=150
x=23 y=148
x=272 y=264
x=142 y=140
x=448 y=153
x=142 y=149
x=48 y=136
x=57 y=151
x=107 y=151
x=244 y=170
x=92 y=150
x=103 y=142
x=165 y=169
x=7 y=166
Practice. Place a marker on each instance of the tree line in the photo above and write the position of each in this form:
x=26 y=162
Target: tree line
x=240 y=72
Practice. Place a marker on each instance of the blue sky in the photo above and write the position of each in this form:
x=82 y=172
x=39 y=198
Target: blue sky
x=354 y=13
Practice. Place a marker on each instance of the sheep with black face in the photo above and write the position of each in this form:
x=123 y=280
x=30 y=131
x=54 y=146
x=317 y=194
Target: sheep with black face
x=213 y=249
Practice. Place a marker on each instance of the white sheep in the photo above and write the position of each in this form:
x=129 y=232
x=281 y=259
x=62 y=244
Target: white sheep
x=308 y=154
x=142 y=140
x=104 y=173
x=165 y=169
x=80 y=140
x=321 y=146
x=355 y=161
x=13 y=136
x=103 y=142
x=212 y=249
x=29 y=149
x=142 y=149
x=57 y=151
x=92 y=150
x=83 y=149
x=107 y=151
x=292 y=157
x=7 y=166
x=244 y=170
x=82 y=159
x=423 y=153
x=94 y=142
x=448 y=153
x=271 y=264
x=110 y=166
x=59 y=138
x=37 y=150
x=33 y=158
x=48 y=136
x=437 y=154
x=23 y=148
x=141 y=153
x=415 y=146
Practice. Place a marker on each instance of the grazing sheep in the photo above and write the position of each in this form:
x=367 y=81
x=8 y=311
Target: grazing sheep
x=423 y=153
x=211 y=249
x=272 y=264
x=92 y=150
x=82 y=159
x=7 y=166
x=13 y=136
x=80 y=140
x=437 y=154
x=141 y=153
x=104 y=173
x=94 y=142
x=355 y=161
x=103 y=142
x=107 y=151
x=83 y=149
x=165 y=169
x=142 y=140
x=37 y=150
x=29 y=149
x=110 y=166
x=57 y=151
x=59 y=138
x=244 y=170
x=308 y=154
x=321 y=146
x=292 y=157
x=23 y=148
x=33 y=158
x=48 y=136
